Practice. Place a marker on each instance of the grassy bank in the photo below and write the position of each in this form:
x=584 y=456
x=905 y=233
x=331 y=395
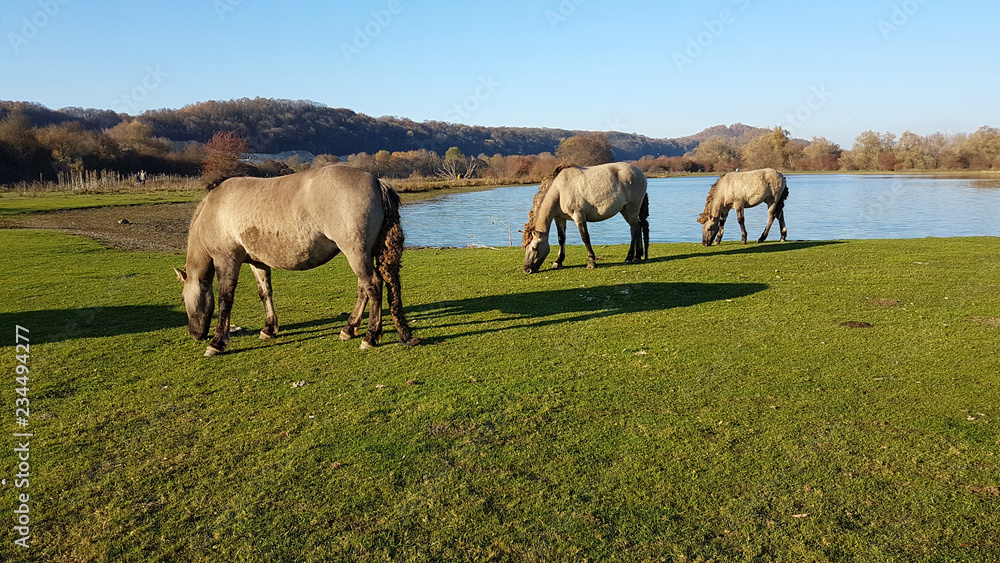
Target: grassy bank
x=707 y=405
x=40 y=198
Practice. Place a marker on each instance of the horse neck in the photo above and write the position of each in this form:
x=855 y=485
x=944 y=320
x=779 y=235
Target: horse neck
x=548 y=208
x=199 y=263
x=717 y=204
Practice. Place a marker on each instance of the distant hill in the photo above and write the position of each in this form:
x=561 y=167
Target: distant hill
x=734 y=131
x=274 y=126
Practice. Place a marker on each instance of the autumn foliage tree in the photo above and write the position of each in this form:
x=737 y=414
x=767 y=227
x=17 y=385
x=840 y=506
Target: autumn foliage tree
x=770 y=150
x=222 y=156
x=588 y=149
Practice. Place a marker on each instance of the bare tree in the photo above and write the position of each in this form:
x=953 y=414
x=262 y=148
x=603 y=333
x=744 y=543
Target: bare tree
x=222 y=156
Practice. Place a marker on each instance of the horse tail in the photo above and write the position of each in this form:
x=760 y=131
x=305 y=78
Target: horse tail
x=644 y=224
x=779 y=205
x=389 y=259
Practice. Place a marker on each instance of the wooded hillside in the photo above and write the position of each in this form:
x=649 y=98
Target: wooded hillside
x=273 y=126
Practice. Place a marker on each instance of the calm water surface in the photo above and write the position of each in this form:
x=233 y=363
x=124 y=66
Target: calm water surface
x=819 y=207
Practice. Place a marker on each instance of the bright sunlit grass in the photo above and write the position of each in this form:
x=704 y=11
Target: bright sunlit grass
x=707 y=405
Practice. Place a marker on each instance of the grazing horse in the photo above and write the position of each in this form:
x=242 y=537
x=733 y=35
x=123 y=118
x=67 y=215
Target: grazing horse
x=586 y=194
x=294 y=222
x=739 y=190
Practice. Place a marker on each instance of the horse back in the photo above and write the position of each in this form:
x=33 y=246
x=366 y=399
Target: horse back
x=291 y=222
x=751 y=188
x=599 y=192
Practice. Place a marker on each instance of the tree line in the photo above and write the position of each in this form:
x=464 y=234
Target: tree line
x=37 y=143
x=871 y=151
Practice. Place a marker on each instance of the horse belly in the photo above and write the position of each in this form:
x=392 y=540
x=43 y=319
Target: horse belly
x=290 y=252
x=604 y=208
x=753 y=199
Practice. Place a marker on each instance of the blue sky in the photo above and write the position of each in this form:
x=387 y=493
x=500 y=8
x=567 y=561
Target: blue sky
x=661 y=69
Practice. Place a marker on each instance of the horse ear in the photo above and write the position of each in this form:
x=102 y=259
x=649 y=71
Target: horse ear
x=181 y=275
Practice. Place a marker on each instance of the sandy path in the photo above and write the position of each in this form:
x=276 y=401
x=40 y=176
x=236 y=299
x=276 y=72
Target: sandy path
x=160 y=227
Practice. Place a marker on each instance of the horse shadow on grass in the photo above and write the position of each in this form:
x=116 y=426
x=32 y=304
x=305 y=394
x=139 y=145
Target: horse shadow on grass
x=753 y=248
x=58 y=325
x=487 y=314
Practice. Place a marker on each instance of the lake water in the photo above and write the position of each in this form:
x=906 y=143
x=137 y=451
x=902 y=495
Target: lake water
x=819 y=207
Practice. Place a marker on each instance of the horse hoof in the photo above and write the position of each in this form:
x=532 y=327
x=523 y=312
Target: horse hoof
x=265 y=335
x=346 y=335
x=212 y=351
x=413 y=341
x=556 y=265
x=365 y=345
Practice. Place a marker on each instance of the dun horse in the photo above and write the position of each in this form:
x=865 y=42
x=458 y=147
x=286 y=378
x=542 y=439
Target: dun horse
x=739 y=190
x=294 y=222
x=586 y=194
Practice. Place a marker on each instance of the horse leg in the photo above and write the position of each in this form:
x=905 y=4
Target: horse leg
x=561 y=234
x=228 y=274
x=635 y=246
x=369 y=290
x=374 y=334
x=770 y=219
x=581 y=224
x=263 y=276
x=743 y=227
x=354 y=320
x=722 y=225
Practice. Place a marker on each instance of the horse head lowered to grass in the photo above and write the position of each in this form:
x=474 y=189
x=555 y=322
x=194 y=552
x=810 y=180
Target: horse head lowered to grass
x=739 y=190
x=294 y=222
x=586 y=194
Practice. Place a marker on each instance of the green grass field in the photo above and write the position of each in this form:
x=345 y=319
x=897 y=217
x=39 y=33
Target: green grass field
x=20 y=203
x=705 y=406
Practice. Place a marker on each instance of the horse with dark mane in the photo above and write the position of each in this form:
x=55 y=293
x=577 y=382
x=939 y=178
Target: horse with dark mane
x=294 y=222
x=586 y=194
x=739 y=190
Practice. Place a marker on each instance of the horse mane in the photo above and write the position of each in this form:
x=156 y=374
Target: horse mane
x=708 y=200
x=529 y=227
x=217 y=181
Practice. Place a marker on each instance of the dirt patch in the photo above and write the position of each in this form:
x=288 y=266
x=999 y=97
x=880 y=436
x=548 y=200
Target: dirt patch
x=856 y=324
x=160 y=227
x=988 y=321
x=985 y=490
x=450 y=429
x=882 y=302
